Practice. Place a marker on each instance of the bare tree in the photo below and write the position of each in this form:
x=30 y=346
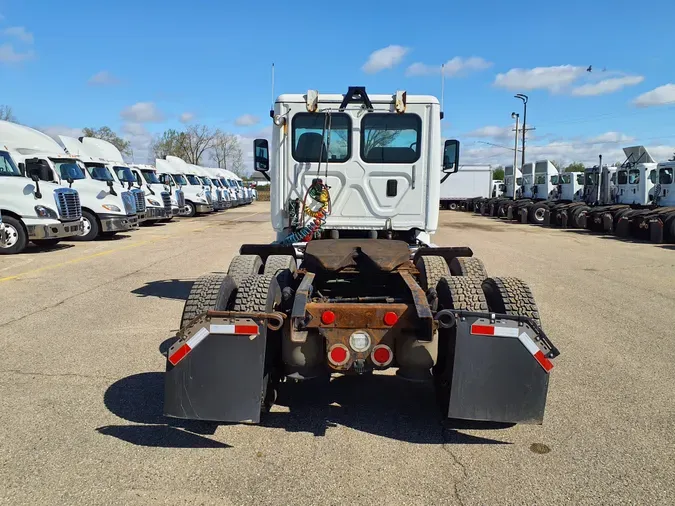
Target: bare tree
x=195 y=141
x=227 y=152
x=169 y=143
x=7 y=114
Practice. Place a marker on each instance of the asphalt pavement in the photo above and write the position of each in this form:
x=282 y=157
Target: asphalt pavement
x=83 y=329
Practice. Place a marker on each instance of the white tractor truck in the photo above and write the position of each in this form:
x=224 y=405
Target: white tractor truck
x=107 y=207
x=146 y=177
x=543 y=191
x=634 y=186
x=221 y=188
x=570 y=187
x=661 y=222
x=198 y=199
x=493 y=206
x=353 y=283
x=205 y=179
x=34 y=210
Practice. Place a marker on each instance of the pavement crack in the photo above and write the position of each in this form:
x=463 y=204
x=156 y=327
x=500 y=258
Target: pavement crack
x=465 y=474
x=56 y=375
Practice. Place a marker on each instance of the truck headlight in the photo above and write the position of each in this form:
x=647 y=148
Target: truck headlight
x=45 y=212
x=111 y=207
x=153 y=202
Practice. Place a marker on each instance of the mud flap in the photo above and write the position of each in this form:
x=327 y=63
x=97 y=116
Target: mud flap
x=607 y=223
x=656 y=230
x=500 y=372
x=524 y=212
x=547 y=217
x=215 y=371
x=623 y=227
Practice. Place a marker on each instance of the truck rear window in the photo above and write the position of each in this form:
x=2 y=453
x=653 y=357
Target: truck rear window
x=622 y=177
x=311 y=135
x=390 y=138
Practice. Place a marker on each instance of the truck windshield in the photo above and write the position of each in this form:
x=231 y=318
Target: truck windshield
x=7 y=167
x=150 y=177
x=124 y=174
x=580 y=179
x=205 y=181
x=194 y=180
x=179 y=179
x=216 y=182
x=224 y=182
x=239 y=183
x=68 y=169
x=99 y=172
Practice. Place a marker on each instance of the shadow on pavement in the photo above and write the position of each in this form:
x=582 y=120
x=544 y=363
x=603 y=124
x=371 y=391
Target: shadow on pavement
x=165 y=289
x=381 y=405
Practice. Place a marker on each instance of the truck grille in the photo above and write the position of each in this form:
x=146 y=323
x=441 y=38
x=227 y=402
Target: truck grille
x=180 y=198
x=209 y=199
x=68 y=202
x=129 y=203
x=219 y=196
x=166 y=199
x=139 y=196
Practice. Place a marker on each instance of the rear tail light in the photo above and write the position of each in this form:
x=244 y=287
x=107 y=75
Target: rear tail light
x=390 y=318
x=382 y=355
x=338 y=354
x=328 y=317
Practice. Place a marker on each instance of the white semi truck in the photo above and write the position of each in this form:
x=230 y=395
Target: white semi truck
x=146 y=176
x=198 y=199
x=32 y=209
x=470 y=182
x=205 y=179
x=353 y=283
x=107 y=207
x=496 y=206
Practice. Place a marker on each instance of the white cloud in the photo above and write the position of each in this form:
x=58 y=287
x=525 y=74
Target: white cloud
x=186 y=117
x=457 y=66
x=611 y=137
x=9 y=55
x=494 y=132
x=662 y=95
x=103 y=78
x=247 y=120
x=140 y=140
x=142 y=112
x=553 y=79
x=385 y=58
x=20 y=33
x=606 y=86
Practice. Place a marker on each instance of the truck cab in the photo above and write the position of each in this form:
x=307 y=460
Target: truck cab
x=147 y=175
x=635 y=183
x=212 y=190
x=527 y=186
x=382 y=180
x=663 y=193
x=197 y=199
x=34 y=210
x=544 y=172
x=570 y=186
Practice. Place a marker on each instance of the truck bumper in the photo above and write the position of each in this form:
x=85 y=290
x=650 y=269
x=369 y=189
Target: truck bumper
x=157 y=213
x=57 y=230
x=203 y=208
x=175 y=211
x=116 y=223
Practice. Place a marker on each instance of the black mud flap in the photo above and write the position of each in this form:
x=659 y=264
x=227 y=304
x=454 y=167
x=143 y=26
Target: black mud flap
x=215 y=371
x=500 y=371
x=524 y=213
x=547 y=217
x=656 y=230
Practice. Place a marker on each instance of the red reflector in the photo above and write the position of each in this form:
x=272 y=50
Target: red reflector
x=179 y=354
x=327 y=317
x=338 y=354
x=390 y=318
x=382 y=355
x=246 y=329
x=543 y=361
x=483 y=330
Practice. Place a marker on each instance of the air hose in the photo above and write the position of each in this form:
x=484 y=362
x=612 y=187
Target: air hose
x=318 y=191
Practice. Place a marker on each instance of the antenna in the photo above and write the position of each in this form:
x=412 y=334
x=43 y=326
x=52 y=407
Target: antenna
x=442 y=89
x=273 y=97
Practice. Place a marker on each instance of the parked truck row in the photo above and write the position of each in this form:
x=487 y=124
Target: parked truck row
x=634 y=200
x=83 y=189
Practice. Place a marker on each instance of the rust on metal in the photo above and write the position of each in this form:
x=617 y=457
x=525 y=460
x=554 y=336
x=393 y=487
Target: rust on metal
x=355 y=316
x=332 y=255
x=427 y=324
x=274 y=320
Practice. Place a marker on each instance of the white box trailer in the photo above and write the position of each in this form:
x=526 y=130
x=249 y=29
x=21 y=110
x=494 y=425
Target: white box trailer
x=470 y=181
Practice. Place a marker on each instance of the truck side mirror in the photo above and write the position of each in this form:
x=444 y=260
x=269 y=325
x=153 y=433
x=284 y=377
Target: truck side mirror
x=38 y=170
x=451 y=156
x=261 y=162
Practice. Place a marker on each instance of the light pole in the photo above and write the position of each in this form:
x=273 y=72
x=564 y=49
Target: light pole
x=524 y=98
x=515 y=116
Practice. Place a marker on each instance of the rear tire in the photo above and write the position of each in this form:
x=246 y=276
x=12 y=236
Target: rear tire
x=15 y=235
x=537 y=213
x=468 y=266
x=262 y=293
x=511 y=296
x=277 y=263
x=432 y=270
x=209 y=292
x=242 y=266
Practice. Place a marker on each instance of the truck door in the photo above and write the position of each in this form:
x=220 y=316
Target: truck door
x=376 y=165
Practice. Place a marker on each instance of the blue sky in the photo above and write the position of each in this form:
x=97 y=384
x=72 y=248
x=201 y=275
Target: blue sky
x=141 y=66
